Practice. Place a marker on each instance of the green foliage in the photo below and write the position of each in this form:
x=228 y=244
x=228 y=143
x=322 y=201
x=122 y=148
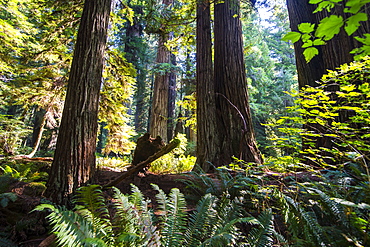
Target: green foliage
x=12 y=131
x=5 y=198
x=26 y=172
x=331 y=26
x=214 y=222
x=114 y=101
x=176 y=161
x=118 y=164
x=270 y=70
x=338 y=110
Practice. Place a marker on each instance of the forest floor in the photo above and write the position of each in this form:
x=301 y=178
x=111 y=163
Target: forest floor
x=29 y=229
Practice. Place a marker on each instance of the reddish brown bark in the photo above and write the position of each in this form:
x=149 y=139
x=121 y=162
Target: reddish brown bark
x=74 y=159
x=207 y=132
x=234 y=120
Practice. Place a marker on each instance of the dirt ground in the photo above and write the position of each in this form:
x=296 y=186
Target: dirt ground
x=29 y=229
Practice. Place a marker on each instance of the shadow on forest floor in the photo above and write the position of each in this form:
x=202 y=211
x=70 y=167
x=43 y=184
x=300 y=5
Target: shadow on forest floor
x=29 y=229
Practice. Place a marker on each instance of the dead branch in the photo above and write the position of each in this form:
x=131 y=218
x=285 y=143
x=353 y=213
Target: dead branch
x=134 y=169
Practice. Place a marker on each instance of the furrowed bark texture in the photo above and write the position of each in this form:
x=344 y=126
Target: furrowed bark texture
x=159 y=111
x=234 y=117
x=74 y=159
x=207 y=132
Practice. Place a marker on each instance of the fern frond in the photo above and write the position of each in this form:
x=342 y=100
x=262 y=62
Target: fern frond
x=136 y=197
x=90 y=200
x=199 y=221
x=126 y=217
x=175 y=224
x=162 y=201
x=133 y=221
x=336 y=209
x=69 y=227
x=304 y=222
x=91 y=204
x=263 y=235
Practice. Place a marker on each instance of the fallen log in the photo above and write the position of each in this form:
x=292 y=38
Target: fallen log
x=134 y=169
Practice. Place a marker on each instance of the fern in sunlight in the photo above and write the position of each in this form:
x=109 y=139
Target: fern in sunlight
x=200 y=221
x=173 y=216
x=133 y=220
x=91 y=204
x=264 y=234
x=70 y=228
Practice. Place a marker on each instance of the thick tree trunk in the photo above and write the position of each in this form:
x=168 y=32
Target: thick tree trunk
x=158 y=117
x=74 y=159
x=207 y=132
x=234 y=117
x=159 y=110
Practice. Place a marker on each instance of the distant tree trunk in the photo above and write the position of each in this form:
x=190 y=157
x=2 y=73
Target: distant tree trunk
x=38 y=129
x=207 y=133
x=234 y=116
x=74 y=159
x=171 y=99
x=135 y=53
x=159 y=111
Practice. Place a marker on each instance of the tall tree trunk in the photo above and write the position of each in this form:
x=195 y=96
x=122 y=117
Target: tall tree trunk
x=207 y=132
x=158 y=116
x=234 y=116
x=74 y=159
x=135 y=53
x=171 y=99
x=159 y=111
x=38 y=129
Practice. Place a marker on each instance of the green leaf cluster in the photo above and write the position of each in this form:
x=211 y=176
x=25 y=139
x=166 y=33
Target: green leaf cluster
x=330 y=26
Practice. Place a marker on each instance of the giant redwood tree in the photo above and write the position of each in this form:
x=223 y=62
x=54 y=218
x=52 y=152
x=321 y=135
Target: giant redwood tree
x=74 y=158
x=207 y=137
x=159 y=111
x=233 y=113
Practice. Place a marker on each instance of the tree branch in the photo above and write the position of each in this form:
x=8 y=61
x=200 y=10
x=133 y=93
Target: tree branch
x=132 y=170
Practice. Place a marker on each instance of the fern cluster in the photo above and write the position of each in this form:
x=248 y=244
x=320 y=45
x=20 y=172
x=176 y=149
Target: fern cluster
x=127 y=220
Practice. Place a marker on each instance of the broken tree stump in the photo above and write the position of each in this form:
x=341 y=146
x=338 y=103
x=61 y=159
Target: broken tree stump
x=134 y=169
x=146 y=146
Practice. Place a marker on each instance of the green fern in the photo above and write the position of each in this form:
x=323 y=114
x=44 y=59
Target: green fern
x=133 y=220
x=70 y=228
x=173 y=216
x=91 y=204
x=199 y=221
x=264 y=234
x=302 y=225
x=7 y=243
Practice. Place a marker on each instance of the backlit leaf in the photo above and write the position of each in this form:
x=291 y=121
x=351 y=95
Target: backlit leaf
x=309 y=53
x=329 y=27
x=353 y=22
x=306 y=27
x=318 y=42
x=292 y=36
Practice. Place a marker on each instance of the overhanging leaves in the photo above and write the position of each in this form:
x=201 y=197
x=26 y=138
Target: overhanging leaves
x=329 y=27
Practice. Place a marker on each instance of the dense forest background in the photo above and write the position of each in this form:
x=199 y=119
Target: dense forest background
x=265 y=104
